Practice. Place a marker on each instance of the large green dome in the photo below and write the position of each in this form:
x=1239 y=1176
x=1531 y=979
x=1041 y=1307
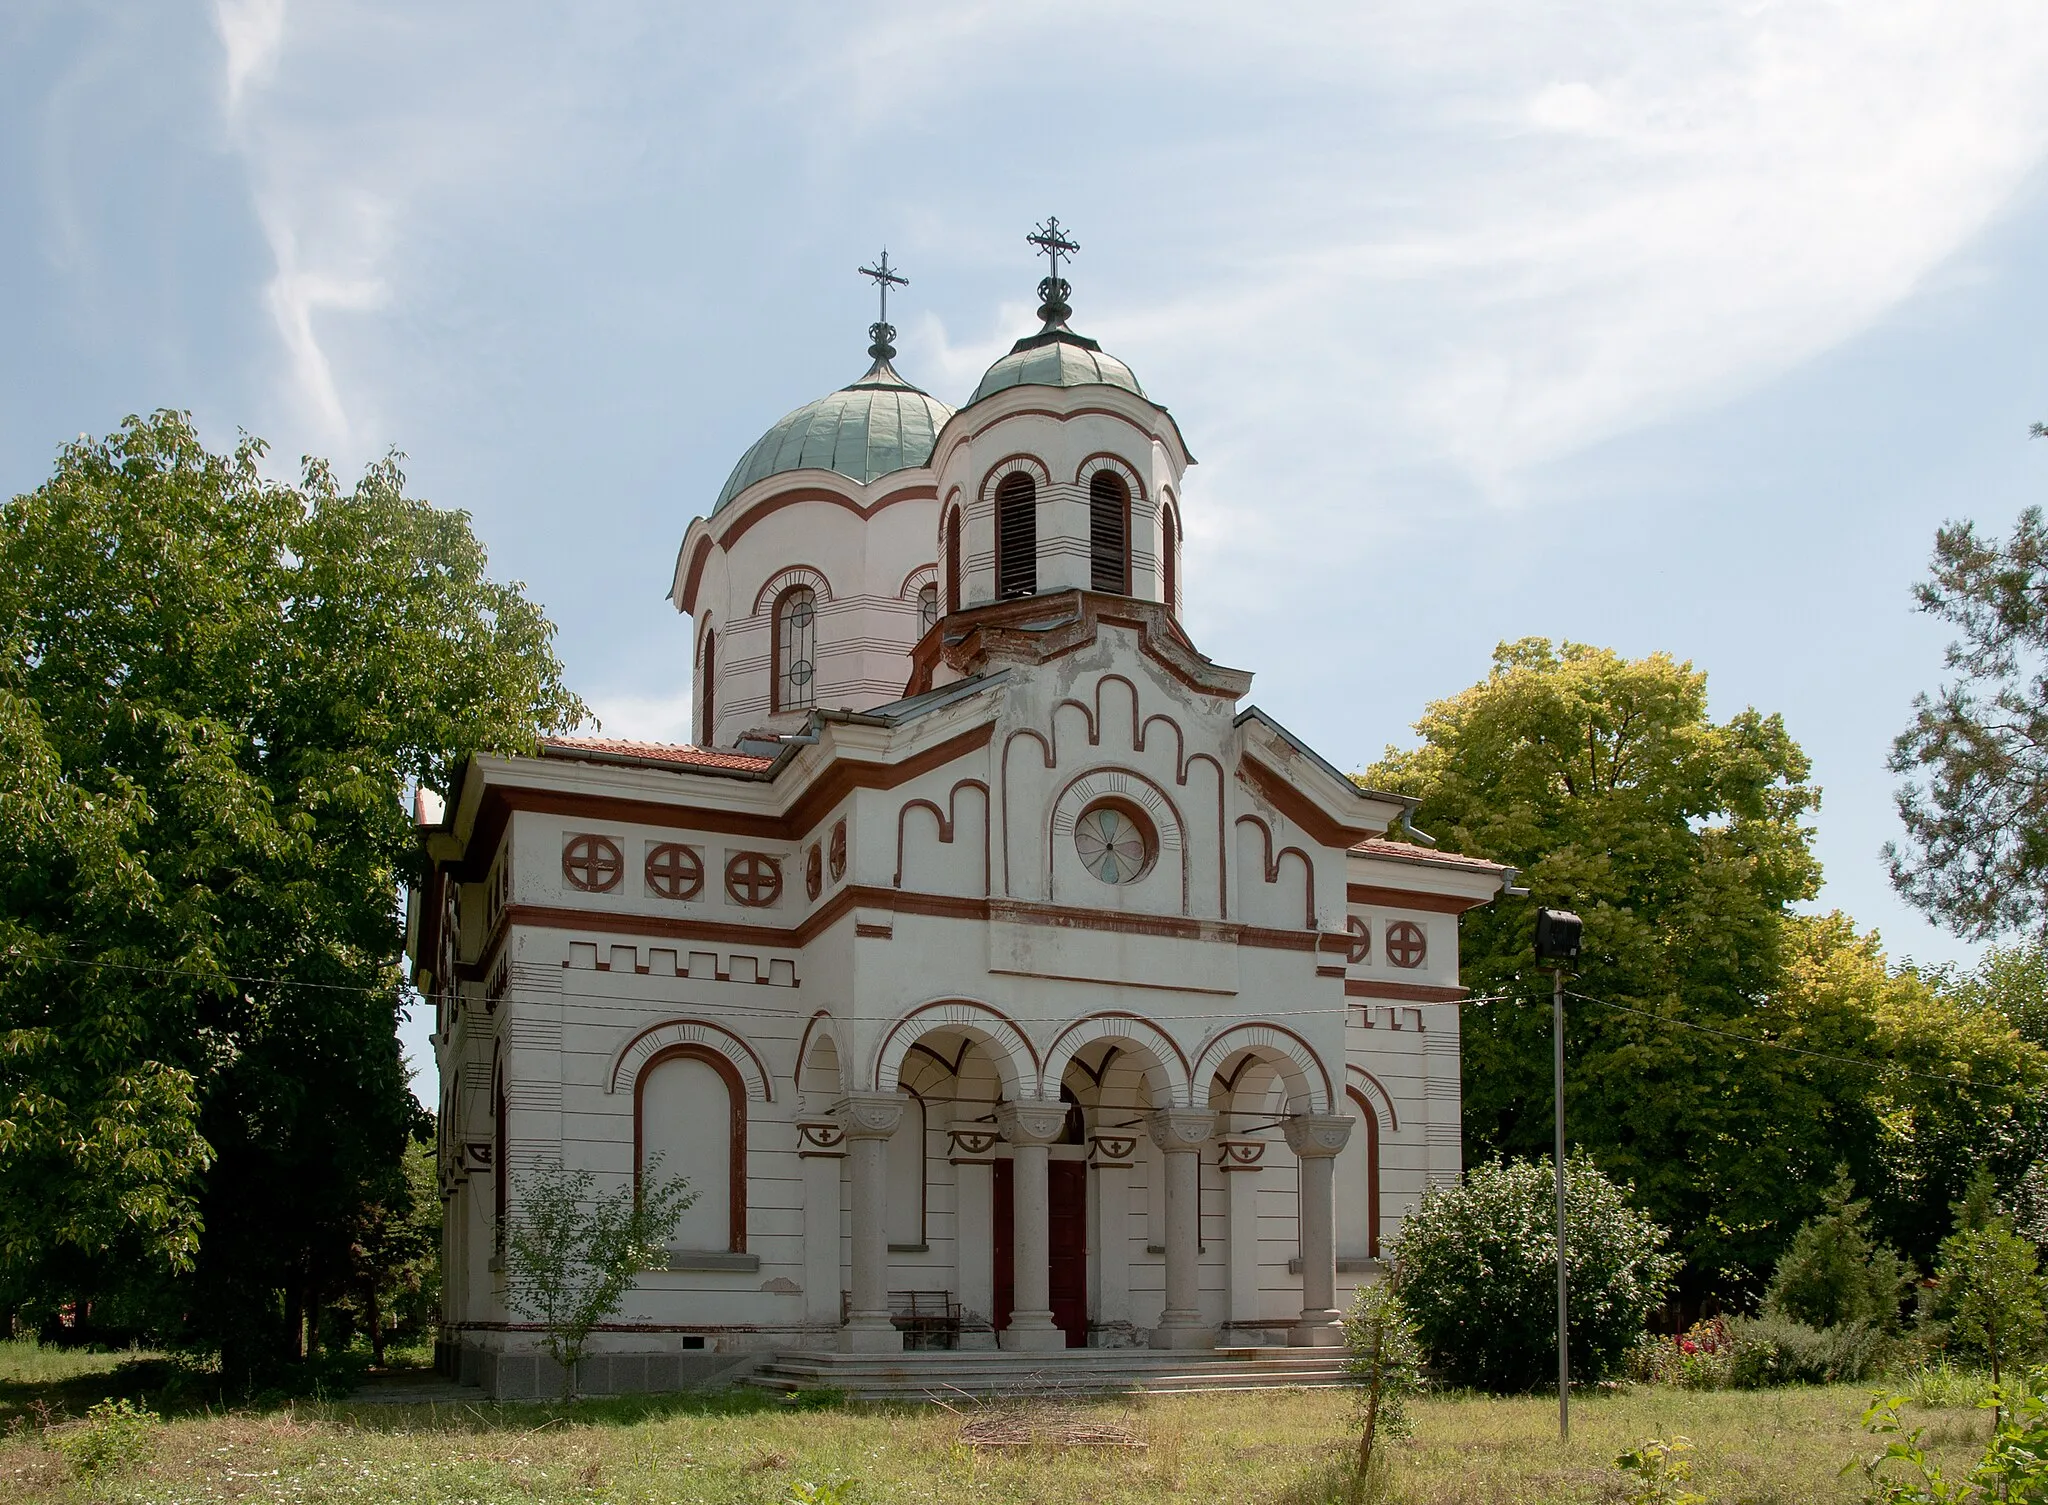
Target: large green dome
x=1057 y=357
x=863 y=431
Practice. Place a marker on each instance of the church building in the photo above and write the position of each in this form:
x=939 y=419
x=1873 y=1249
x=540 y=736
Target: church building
x=998 y=976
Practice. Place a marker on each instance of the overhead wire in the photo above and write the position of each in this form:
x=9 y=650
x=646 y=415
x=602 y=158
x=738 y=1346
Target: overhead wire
x=1778 y=1045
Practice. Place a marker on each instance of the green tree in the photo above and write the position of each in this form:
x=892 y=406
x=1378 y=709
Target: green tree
x=1989 y=1284
x=572 y=1252
x=100 y=1150
x=1836 y=1273
x=1680 y=841
x=1949 y=1088
x=1975 y=759
x=1386 y=1365
x=255 y=673
x=1478 y=1273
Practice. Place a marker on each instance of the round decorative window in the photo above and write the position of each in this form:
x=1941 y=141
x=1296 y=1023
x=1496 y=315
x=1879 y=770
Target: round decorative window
x=814 y=872
x=1407 y=946
x=1116 y=842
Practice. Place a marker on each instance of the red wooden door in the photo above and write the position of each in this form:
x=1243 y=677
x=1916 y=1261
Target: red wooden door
x=1067 y=1244
x=1006 y=1243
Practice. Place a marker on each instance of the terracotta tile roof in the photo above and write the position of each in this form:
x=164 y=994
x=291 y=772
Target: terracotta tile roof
x=1408 y=851
x=677 y=753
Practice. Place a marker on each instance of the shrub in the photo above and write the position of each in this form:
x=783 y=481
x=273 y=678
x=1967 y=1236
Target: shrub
x=1478 y=1271
x=114 y=1434
x=1989 y=1284
x=1835 y=1273
x=1775 y=1350
x=1700 y=1358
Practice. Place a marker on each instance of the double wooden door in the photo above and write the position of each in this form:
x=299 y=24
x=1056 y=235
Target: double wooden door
x=1066 y=1247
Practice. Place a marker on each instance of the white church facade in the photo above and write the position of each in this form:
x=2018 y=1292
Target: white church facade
x=996 y=975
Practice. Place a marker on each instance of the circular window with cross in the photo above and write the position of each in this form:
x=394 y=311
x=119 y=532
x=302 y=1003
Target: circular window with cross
x=1407 y=946
x=837 y=857
x=674 y=871
x=753 y=879
x=591 y=863
x=1115 y=841
x=814 y=871
x=1361 y=940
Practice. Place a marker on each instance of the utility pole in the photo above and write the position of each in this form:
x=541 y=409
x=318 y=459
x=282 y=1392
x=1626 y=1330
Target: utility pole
x=1557 y=942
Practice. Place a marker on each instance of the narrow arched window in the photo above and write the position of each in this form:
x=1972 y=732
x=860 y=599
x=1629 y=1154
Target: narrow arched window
x=927 y=608
x=706 y=707
x=796 y=650
x=1109 y=532
x=953 y=560
x=1358 y=1183
x=1017 y=535
x=690 y=1109
x=1169 y=558
x=905 y=1220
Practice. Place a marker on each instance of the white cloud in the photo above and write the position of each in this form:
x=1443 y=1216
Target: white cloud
x=252 y=32
x=643 y=718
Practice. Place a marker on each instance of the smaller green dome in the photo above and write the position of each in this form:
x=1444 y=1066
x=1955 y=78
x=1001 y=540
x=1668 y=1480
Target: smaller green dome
x=1057 y=357
x=863 y=431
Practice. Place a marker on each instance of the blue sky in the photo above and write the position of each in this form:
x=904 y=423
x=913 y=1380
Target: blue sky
x=1661 y=326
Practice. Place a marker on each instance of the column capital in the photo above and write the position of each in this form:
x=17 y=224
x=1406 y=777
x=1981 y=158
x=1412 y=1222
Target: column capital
x=1314 y=1136
x=868 y=1115
x=1032 y=1121
x=1181 y=1128
x=973 y=1145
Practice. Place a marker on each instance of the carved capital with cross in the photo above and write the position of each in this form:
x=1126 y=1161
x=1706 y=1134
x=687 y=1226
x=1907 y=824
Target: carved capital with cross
x=1038 y=1121
x=868 y=1115
x=1181 y=1128
x=1313 y=1136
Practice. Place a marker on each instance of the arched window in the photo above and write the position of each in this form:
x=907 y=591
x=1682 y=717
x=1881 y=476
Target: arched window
x=1169 y=558
x=905 y=1219
x=953 y=560
x=1017 y=535
x=706 y=709
x=927 y=608
x=690 y=1108
x=1358 y=1183
x=1109 y=532
x=796 y=650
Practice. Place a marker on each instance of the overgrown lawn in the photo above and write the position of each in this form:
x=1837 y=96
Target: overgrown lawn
x=1783 y=1447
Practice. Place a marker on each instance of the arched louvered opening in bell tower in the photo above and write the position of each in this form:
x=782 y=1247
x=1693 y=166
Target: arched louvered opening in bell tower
x=1017 y=536
x=1109 y=533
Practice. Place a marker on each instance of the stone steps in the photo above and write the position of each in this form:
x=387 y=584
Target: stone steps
x=1073 y=1371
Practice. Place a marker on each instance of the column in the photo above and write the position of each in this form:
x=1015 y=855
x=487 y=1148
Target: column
x=867 y=1120
x=974 y=1228
x=1181 y=1133
x=1030 y=1127
x=1111 y=1164
x=821 y=1147
x=1240 y=1165
x=1316 y=1140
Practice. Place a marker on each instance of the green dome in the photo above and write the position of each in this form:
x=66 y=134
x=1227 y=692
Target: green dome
x=1057 y=358
x=864 y=431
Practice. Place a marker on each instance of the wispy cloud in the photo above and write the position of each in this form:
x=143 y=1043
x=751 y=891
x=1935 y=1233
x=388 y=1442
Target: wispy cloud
x=251 y=32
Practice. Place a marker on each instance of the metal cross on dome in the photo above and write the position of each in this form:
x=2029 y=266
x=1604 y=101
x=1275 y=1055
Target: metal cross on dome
x=882 y=332
x=1052 y=243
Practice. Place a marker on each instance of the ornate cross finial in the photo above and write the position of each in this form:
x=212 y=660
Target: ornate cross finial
x=882 y=332
x=1052 y=243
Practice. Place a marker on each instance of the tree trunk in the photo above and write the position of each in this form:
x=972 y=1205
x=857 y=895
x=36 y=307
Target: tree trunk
x=376 y=1320
x=1372 y=1421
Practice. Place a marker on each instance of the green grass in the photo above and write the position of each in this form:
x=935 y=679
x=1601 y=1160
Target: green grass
x=1783 y=1447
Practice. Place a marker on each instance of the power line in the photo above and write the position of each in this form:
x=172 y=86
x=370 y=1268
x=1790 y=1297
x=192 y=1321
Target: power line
x=188 y=975
x=1817 y=1055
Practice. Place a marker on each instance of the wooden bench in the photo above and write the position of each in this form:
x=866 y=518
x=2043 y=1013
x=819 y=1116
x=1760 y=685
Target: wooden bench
x=927 y=1319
